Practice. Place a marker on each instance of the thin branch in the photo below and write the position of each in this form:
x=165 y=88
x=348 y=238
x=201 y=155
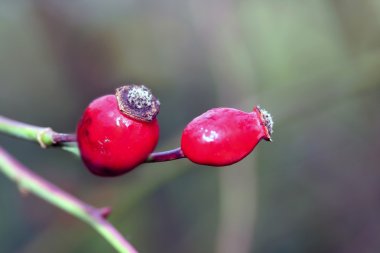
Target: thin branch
x=165 y=156
x=29 y=181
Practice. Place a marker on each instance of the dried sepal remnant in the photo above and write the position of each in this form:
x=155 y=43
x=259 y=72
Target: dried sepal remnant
x=267 y=119
x=138 y=102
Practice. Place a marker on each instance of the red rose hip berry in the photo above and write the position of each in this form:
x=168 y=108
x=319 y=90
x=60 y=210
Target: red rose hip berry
x=223 y=136
x=117 y=132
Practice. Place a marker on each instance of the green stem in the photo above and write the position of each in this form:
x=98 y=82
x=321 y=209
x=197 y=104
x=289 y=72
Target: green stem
x=29 y=181
x=45 y=136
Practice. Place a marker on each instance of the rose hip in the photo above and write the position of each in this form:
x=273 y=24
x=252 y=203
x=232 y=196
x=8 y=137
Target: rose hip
x=223 y=136
x=117 y=132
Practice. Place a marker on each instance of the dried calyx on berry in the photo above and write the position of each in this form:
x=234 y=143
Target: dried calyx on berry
x=266 y=121
x=138 y=102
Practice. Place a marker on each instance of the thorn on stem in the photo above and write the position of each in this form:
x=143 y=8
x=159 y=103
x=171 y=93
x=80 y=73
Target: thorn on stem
x=105 y=212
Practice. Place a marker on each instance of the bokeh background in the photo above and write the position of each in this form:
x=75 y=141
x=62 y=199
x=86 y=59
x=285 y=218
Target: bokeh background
x=315 y=65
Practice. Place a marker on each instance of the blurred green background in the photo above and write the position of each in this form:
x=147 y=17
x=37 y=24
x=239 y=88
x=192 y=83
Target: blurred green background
x=315 y=65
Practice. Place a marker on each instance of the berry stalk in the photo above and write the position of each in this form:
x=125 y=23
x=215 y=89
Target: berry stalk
x=165 y=156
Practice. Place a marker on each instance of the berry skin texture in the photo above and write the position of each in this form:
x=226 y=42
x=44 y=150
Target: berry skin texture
x=112 y=143
x=223 y=136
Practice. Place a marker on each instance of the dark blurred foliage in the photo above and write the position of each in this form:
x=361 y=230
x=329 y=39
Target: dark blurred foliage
x=313 y=64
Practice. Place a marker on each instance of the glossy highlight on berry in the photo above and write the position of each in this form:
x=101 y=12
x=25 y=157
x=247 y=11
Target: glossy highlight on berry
x=223 y=136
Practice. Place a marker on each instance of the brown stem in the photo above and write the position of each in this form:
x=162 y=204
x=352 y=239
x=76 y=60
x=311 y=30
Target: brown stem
x=165 y=156
x=60 y=138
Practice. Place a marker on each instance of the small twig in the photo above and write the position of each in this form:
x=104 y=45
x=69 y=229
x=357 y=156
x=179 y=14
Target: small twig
x=31 y=182
x=165 y=156
x=62 y=138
